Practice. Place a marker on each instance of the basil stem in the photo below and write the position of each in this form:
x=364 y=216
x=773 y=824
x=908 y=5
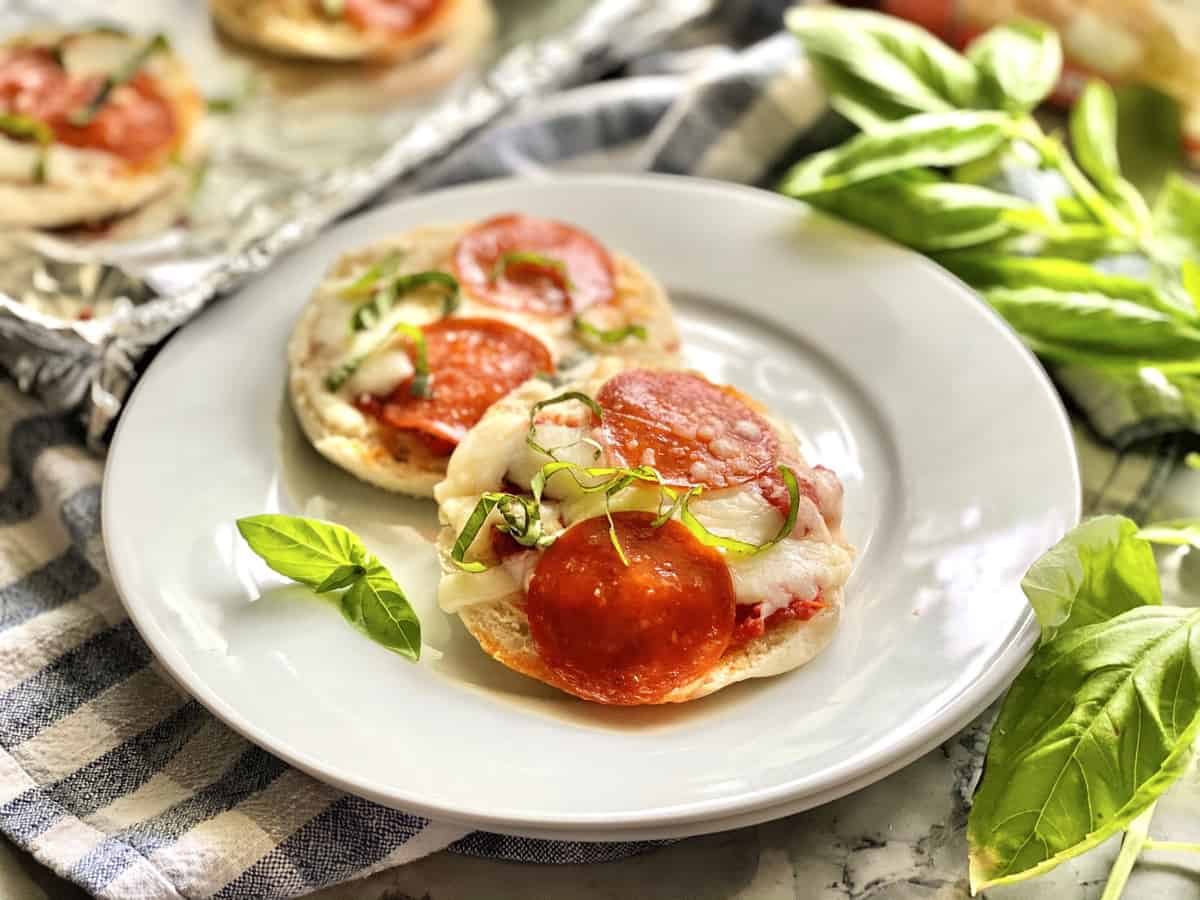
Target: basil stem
x=84 y=116
x=368 y=314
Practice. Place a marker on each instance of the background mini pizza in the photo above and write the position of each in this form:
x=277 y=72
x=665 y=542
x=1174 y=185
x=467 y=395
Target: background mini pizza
x=640 y=535
x=406 y=343
x=93 y=125
x=351 y=30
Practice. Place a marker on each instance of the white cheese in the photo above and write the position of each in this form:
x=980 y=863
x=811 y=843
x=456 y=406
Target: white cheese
x=380 y=373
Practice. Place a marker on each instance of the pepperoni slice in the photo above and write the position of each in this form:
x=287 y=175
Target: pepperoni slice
x=137 y=124
x=580 y=274
x=474 y=362
x=689 y=429
x=628 y=635
x=399 y=17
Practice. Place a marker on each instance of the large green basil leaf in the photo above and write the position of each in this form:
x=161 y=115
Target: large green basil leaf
x=305 y=550
x=932 y=139
x=1119 y=329
x=1095 y=728
x=983 y=269
x=930 y=215
x=377 y=607
x=885 y=66
x=1019 y=64
x=1099 y=570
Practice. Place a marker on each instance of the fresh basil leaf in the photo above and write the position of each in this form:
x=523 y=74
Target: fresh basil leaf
x=341 y=577
x=1099 y=570
x=1175 y=532
x=565 y=397
x=1177 y=219
x=930 y=215
x=377 y=607
x=25 y=128
x=305 y=550
x=1189 y=275
x=1095 y=728
x=1094 y=133
x=128 y=70
x=886 y=67
x=931 y=139
x=984 y=270
x=1073 y=210
x=1094 y=323
x=520 y=517
x=1019 y=64
x=733 y=545
x=611 y=335
x=367 y=315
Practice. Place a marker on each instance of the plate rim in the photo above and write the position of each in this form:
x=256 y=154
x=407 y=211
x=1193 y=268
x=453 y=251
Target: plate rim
x=679 y=820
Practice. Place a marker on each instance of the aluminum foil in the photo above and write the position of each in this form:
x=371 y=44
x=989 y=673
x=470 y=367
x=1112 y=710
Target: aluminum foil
x=303 y=144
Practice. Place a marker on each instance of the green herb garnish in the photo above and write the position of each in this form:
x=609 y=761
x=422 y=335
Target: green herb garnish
x=609 y=336
x=331 y=559
x=568 y=396
x=27 y=128
x=387 y=292
x=538 y=260
x=520 y=517
x=128 y=70
x=422 y=383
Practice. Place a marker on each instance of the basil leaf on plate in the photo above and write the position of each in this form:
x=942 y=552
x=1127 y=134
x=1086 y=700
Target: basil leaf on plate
x=1094 y=133
x=930 y=215
x=931 y=139
x=982 y=269
x=1019 y=64
x=1175 y=532
x=1120 y=329
x=328 y=558
x=1094 y=729
x=305 y=550
x=1099 y=570
x=886 y=67
x=377 y=607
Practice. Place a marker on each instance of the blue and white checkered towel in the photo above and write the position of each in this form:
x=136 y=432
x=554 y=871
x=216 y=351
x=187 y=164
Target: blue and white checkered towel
x=116 y=779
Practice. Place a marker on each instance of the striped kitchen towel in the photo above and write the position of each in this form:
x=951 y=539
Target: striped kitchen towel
x=115 y=778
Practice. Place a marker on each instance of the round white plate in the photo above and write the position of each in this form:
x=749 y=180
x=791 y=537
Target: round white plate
x=952 y=445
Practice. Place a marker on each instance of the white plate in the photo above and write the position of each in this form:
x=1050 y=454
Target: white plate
x=953 y=447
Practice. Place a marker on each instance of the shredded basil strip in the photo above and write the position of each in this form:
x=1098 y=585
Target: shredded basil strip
x=366 y=283
x=422 y=383
x=521 y=518
x=744 y=548
x=28 y=128
x=609 y=336
x=128 y=70
x=523 y=258
x=368 y=314
x=531 y=437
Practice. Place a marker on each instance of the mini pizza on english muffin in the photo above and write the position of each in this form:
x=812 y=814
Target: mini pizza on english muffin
x=93 y=125
x=640 y=535
x=406 y=343
x=391 y=31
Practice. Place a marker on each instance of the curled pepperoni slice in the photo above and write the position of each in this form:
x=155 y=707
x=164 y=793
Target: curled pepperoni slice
x=690 y=430
x=474 y=362
x=628 y=635
x=534 y=265
x=137 y=124
x=399 y=17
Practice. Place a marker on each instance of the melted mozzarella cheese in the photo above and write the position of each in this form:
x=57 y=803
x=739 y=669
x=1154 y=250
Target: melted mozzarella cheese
x=791 y=570
x=459 y=589
x=380 y=373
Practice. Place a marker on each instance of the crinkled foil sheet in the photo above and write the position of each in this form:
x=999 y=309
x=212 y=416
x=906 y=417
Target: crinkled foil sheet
x=304 y=144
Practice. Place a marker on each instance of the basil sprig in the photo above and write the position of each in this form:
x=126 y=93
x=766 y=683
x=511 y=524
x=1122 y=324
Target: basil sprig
x=128 y=70
x=332 y=560
x=610 y=335
x=27 y=128
x=950 y=161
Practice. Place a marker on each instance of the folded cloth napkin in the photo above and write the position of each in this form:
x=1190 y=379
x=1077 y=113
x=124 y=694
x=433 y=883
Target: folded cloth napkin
x=116 y=779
